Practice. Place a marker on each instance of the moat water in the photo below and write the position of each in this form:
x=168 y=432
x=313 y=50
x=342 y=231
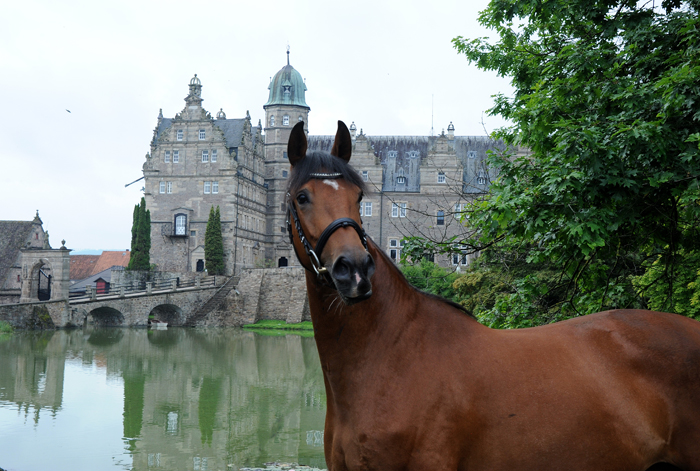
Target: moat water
x=175 y=399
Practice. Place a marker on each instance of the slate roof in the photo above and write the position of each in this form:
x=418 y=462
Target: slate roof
x=470 y=150
x=13 y=236
x=90 y=281
x=232 y=129
x=81 y=266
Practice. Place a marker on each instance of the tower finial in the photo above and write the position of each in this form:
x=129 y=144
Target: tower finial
x=287 y=53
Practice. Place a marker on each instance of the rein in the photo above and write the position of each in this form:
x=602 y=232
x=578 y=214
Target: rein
x=315 y=254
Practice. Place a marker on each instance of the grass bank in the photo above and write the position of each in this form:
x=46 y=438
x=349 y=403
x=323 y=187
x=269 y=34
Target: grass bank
x=271 y=327
x=5 y=328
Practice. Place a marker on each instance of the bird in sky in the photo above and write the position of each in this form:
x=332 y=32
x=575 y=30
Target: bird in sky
x=69 y=111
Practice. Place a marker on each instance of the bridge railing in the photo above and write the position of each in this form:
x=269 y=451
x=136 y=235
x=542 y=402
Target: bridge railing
x=172 y=284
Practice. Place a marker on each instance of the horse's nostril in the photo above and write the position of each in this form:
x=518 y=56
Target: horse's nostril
x=341 y=269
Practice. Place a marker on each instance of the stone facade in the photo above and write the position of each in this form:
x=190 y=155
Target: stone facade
x=419 y=185
x=30 y=270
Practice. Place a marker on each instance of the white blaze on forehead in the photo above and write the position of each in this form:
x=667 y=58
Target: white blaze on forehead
x=332 y=183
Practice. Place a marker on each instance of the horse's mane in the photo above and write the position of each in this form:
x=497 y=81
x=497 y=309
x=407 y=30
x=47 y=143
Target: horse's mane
x=392 y=266
x=322 y=162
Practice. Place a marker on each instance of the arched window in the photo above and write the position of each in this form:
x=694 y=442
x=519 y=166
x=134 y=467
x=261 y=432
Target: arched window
x=181 y=225
x=282 y=262
x=200 y=265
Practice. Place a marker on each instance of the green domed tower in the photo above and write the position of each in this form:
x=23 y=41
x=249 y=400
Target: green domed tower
x=285 y=107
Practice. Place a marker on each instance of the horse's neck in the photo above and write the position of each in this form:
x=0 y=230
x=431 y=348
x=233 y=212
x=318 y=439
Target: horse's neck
x=343 y=332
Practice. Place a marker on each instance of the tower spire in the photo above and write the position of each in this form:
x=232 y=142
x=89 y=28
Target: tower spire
x=287 y=53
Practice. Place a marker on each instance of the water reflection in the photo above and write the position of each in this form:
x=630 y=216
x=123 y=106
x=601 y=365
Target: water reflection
x=191 y=399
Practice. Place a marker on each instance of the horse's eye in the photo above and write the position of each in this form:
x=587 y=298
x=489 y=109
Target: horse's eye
x=302 y=198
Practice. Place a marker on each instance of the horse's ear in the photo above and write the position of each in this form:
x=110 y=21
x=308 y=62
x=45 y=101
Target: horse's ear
x=296 y=147
x=342 y=147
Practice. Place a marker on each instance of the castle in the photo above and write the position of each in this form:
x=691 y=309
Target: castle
x=418 y=184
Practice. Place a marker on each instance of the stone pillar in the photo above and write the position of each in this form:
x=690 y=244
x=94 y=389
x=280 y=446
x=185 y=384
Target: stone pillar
x=149 y=287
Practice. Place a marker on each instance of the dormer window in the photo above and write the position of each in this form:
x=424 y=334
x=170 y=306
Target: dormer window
x=180 y=134
x=285 y=120
x=202 y=134
x=286 y=89
x=401 y=179
x=180 y=225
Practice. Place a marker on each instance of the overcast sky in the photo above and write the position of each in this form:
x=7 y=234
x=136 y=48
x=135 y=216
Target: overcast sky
x=381 y=64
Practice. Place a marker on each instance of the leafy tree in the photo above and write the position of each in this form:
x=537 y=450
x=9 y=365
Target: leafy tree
x=606 y=100
x=214 y=244
x=140 y=238
x=431 y=278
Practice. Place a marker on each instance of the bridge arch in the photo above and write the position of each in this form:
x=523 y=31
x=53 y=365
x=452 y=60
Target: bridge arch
x=106 y=316
x=169 y=313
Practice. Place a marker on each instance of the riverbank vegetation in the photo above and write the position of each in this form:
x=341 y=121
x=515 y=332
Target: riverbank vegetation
x=5 y=328
x=275 y=328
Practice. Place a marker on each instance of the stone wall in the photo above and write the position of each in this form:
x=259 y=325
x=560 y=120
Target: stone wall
x=37 y=315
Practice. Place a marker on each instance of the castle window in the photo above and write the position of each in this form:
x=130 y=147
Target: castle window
x=193 y=233
x=301 y=118
x=162 y=187
x=481 y=180
x=167 y=156
x=459 y=259
x=215 y=187
x=395 y=247
x=170 y=187
x=366 y=208
x=284 y=154
x=398 y=210
x=180 y=134
x=441 y=218
x=285 y=120
x=214 y=156
x=19 y=280
x=441 y=177
x=207 y=188
x=272 y=120
x=176 y=156
x=458 y=210
x=202 y=134
x=205 y=156
x=180 y=224
x=365 y=175
x=471 y=154
x=284 y=173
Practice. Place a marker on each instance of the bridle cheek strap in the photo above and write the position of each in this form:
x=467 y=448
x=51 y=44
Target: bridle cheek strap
x=314 y=255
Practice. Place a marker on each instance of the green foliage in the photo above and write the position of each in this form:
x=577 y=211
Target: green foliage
x=431 y=278
x=279 y=325
x=5 y=327
x=606 y=100
x=214 y=244
x=140 y=238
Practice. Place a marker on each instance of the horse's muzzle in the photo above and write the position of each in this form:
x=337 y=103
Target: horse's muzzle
x=351 y=275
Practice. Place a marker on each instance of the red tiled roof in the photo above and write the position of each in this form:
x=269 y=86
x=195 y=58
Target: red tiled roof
x=81 y=266
x=110 y=258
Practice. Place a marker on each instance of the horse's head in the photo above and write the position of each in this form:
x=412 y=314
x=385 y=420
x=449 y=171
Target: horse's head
x=323 y=198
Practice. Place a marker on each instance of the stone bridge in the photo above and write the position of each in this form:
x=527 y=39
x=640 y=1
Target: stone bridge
x=171 y=306
x=273 y=293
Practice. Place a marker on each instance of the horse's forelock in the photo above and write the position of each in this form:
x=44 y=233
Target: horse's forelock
x=322 y=162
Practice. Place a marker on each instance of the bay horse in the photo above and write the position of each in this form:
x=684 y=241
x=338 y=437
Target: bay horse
x=414 y=383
